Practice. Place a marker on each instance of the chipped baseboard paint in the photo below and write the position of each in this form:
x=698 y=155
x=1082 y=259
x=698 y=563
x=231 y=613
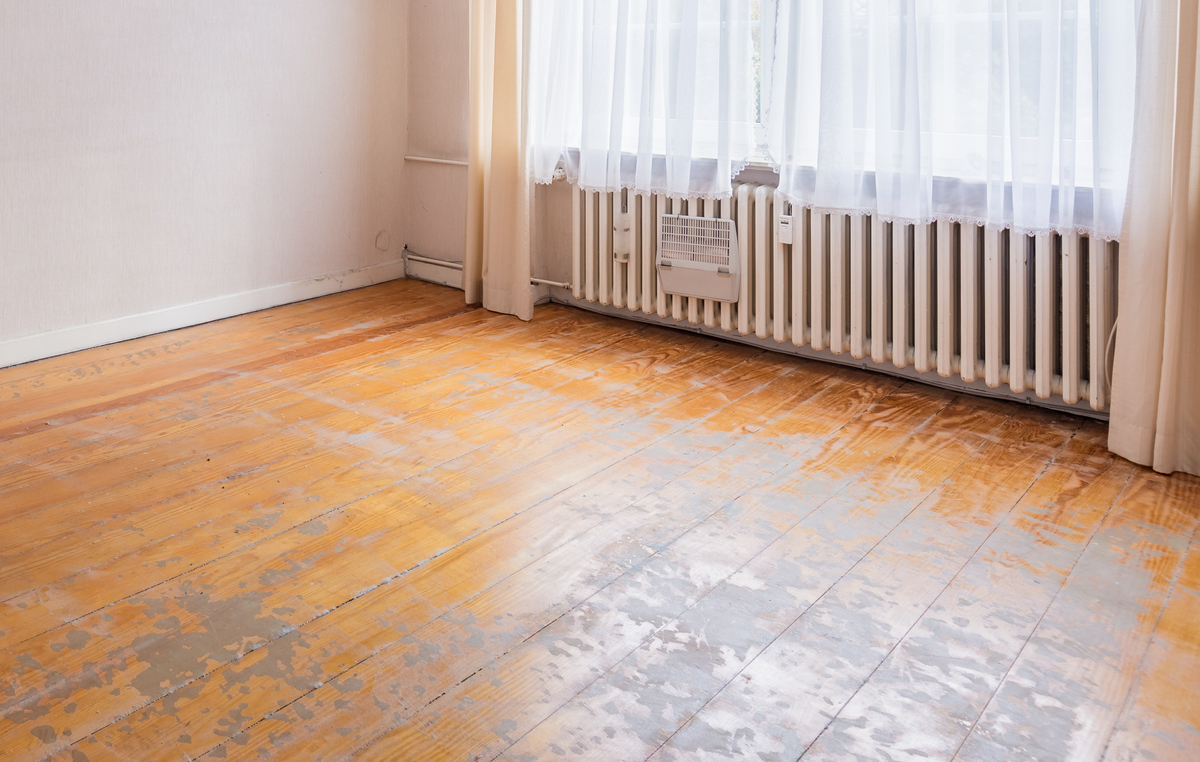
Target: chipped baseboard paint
x=25 y=349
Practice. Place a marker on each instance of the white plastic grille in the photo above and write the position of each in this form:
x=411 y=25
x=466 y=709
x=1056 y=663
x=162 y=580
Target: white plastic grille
x=696 y=239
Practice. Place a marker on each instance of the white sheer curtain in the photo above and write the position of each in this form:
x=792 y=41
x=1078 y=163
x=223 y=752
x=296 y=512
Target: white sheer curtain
x=657 y=95
x=1010 y=113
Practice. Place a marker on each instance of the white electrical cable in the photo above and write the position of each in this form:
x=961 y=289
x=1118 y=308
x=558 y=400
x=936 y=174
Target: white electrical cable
x=1108 y=347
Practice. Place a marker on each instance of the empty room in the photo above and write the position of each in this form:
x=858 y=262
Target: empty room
x=648 y=380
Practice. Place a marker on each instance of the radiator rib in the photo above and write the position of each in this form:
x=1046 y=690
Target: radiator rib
x=969 y=306
x=780 y=277
x=1072 y=326
x=763 y=262
x=947 y=317
x=859 y=277
x=881 y=275
x=901 y=295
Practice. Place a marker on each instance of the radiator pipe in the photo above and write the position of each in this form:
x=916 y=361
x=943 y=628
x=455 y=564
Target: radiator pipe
x=431 y=160
x=438 y=262
x=410 y=257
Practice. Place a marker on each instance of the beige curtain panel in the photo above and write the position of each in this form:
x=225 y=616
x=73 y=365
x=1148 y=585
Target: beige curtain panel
x=1156 y=372
x=499 y=188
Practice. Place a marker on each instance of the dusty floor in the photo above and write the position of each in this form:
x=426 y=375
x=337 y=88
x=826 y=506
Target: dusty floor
x=382 y=523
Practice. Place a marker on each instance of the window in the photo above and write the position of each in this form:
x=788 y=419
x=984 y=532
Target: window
x=1015 y=114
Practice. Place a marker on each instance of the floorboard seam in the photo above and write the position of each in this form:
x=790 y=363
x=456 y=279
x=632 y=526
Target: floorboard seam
x=264 y=539
x=243 y=473
x=749 y=560
x=1033 y=630
x=1134 y=689
x=531 y=563
x=1033 y=482
x=365 y=591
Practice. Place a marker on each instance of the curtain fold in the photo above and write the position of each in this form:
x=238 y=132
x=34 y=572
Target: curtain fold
x=656 y=95
x=499 y=187
x=1155 y=414
x=1010 y=114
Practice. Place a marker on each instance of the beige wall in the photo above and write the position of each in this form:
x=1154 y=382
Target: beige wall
x=155 y=153
x=436 y=194
x=550 y=257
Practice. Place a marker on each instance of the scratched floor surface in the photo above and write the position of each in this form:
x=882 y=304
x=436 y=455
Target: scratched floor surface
x=383 y=524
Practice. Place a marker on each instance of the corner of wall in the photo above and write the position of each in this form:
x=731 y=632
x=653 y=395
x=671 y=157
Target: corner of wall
x=154 y=160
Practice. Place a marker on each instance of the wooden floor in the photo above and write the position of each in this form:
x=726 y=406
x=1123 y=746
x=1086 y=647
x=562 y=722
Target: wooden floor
x=384 y=524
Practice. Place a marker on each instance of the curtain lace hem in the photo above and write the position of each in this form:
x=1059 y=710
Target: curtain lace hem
x=1090 y=232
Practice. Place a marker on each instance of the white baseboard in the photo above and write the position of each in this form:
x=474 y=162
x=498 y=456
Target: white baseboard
x=38 y=346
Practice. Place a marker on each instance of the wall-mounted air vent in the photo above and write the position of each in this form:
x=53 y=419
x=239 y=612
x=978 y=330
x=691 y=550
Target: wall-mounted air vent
x=698 y=257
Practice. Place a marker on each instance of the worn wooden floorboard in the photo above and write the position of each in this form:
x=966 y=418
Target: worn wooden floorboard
x=431 y=408
x=254 y=326
x=870 y=604
x=151 y=419
x=471 y=636
x=243 y=337
x=1162 y=714
x=770 y=591
x=399 y=547
x=60 y=403
x=1062 y=696
x=130 y=429
x=102 y=464
x=464 y=566
x=922 y=699
x=446 y=413
x=383 y=524
x=672 y=585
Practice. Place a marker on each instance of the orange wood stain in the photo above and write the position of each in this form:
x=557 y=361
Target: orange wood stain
x=384 y=524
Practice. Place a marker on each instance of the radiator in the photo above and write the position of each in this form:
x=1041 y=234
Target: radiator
x=1015 y=312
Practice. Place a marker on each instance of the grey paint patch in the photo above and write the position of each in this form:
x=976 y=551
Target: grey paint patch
x=174 y=657
x=313 y=528
x=272 y=577
x=276 y=661
x=426 y=653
